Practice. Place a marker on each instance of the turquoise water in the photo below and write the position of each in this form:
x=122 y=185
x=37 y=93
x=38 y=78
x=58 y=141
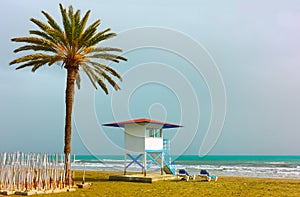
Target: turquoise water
x=241 y=158
x=251 y=166
x=205 y=158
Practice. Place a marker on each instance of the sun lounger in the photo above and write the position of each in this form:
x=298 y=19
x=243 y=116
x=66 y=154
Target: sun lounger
x=183 y=175
x=204 y=176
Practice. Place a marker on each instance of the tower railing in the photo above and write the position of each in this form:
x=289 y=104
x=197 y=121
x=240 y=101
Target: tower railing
x=166 y=144
x=167 y=157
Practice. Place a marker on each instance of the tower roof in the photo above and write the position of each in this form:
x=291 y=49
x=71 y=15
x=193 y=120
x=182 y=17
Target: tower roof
x=165 y=125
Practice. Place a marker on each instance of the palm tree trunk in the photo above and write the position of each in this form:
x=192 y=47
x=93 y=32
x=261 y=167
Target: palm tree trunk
x=71 y=76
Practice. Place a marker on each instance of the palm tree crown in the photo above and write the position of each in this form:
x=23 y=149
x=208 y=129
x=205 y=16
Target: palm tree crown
x=73 y=45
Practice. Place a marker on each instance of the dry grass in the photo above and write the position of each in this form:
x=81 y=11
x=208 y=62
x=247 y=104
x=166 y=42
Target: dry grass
x=225 y=186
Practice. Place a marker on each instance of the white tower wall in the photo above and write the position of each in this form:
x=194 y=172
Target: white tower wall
x=134 y=138
x=154 y=144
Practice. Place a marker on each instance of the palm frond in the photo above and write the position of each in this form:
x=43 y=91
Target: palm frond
x=49 y=60
x=37 y=66
x=77 y=25
x=90 y=74
x=33 y=40
x=108 y=78
x=66 y=23
x=104 y=49
x=58 y=36
x=98 y=38
x=42 y=35
x=51 y=21
x=88 y=34
x=40 y=24
x=97 y=75
x=107 y=56
x=77 y=80
x=37 y=56
x=55 y=58
x=106 y=68
x=35 y=48
x=101 y=74
x=103 y=86
x=83 y=23
x=71 y=13
x=72 y=23
x=32 y=63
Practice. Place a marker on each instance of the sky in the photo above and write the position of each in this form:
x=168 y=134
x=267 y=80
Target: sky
x=227 y=71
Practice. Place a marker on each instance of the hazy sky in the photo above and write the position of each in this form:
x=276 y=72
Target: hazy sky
x=254 y=46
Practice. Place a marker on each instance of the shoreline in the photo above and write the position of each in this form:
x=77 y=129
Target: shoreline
x=248 y=166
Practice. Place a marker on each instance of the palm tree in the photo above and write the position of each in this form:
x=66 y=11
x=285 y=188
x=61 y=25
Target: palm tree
x=74 y=47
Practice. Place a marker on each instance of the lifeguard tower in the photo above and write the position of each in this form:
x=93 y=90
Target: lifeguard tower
x=144 y=144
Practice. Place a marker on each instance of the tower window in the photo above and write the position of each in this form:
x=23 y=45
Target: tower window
x=153 y=132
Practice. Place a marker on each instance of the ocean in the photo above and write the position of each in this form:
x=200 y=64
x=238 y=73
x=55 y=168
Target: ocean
x=247 y=166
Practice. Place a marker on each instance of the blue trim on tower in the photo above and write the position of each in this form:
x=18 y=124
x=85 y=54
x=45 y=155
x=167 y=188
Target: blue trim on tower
x=135 y=160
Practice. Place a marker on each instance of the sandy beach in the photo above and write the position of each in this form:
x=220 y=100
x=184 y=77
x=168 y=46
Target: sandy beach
x=225 y=186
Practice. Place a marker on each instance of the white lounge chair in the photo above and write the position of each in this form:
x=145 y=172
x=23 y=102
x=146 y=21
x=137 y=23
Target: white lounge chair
x=183 y=175
x=204 y=176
